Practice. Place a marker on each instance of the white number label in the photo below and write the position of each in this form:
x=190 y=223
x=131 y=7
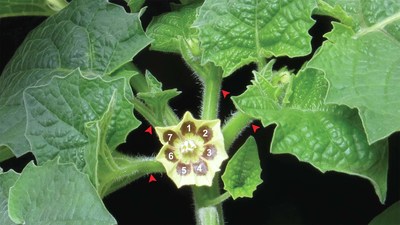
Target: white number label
x=171 y=156
x=205 y=133
x=183 y=170
x=169 y=136
x=188 y=127
x=209 y=152
x=199 y=168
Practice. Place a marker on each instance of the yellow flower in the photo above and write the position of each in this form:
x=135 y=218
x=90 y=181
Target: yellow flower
x=192 y=151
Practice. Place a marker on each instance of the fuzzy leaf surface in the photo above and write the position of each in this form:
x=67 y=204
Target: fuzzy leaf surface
x=93 y=35
x=57 y=113
x=30 y=7
x=7 y=180
x=56 y=194
x=242 y=174
x=169 y=29
x=362 y=64
x=236 y=33
x=329 y=137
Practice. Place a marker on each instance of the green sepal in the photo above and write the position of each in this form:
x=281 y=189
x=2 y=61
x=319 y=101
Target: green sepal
x=243 y=172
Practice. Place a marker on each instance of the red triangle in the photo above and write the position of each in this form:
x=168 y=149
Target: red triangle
x=225 y=93
x=152 y=179
x=255 y=128
x=149 y=130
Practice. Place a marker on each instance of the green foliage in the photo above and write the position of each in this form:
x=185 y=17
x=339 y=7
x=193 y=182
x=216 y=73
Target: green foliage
x=390 y=216
x=235 y=34
x=156 y=98
x=8 y=179
x=171 y=30
x=40 y=195
x=59 y=112
x=242 y=174
x=95 y=36
x=336 y=138
x=66 y=96
x=30 y=7
x=361 y=63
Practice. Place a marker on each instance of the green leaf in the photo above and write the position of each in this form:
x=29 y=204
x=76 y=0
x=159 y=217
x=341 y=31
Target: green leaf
x=390 y=216
x=56 y=193
x=96 y=36
x=7 y=180
x=135 y=5
x=30 y=7
x=156 y=98
x=57 y=113
x=242 y=174
x=234 y=34
x=329 y=137
x=169 y=29
x=362 y=65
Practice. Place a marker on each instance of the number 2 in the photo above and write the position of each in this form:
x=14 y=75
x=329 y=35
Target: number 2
x=205 y=133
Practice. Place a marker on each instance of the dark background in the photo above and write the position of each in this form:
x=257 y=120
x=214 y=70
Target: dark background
x=293 y=192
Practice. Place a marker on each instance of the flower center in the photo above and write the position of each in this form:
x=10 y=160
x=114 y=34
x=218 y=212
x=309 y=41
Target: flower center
x=188 y=146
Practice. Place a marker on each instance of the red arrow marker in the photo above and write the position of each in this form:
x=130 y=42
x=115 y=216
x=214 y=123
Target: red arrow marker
x=152 y=179
x=225 y=93
x=255 y=128
x=149 y=130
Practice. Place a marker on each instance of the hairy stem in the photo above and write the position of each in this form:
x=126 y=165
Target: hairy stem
x=212 y=87
x=129 y=169
x=232 y=128
x=146 y=112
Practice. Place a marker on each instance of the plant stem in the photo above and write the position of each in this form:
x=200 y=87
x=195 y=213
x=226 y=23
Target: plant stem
x=219 y=199
x=138 y=82
x=5 y=153
x=233 y=127
x=146 y=112
x=205 y=213
x=129 y=170
x=212 y=87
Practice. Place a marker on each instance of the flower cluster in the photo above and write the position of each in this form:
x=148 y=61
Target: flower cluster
x=192 y=151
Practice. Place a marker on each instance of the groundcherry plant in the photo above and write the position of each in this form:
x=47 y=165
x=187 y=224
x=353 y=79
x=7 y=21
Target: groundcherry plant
x=69 y=93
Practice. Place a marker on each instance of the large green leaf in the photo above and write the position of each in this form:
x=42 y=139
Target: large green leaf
x=30 y=7
x=329 y=137
x=57 y=113
x=236 y=33
x=56 y=194
x=242 y=174
x=7 y=180
x=362 y=64
x=94 y=35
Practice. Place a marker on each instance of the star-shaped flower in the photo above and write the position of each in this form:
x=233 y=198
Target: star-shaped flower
x=192 y=151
